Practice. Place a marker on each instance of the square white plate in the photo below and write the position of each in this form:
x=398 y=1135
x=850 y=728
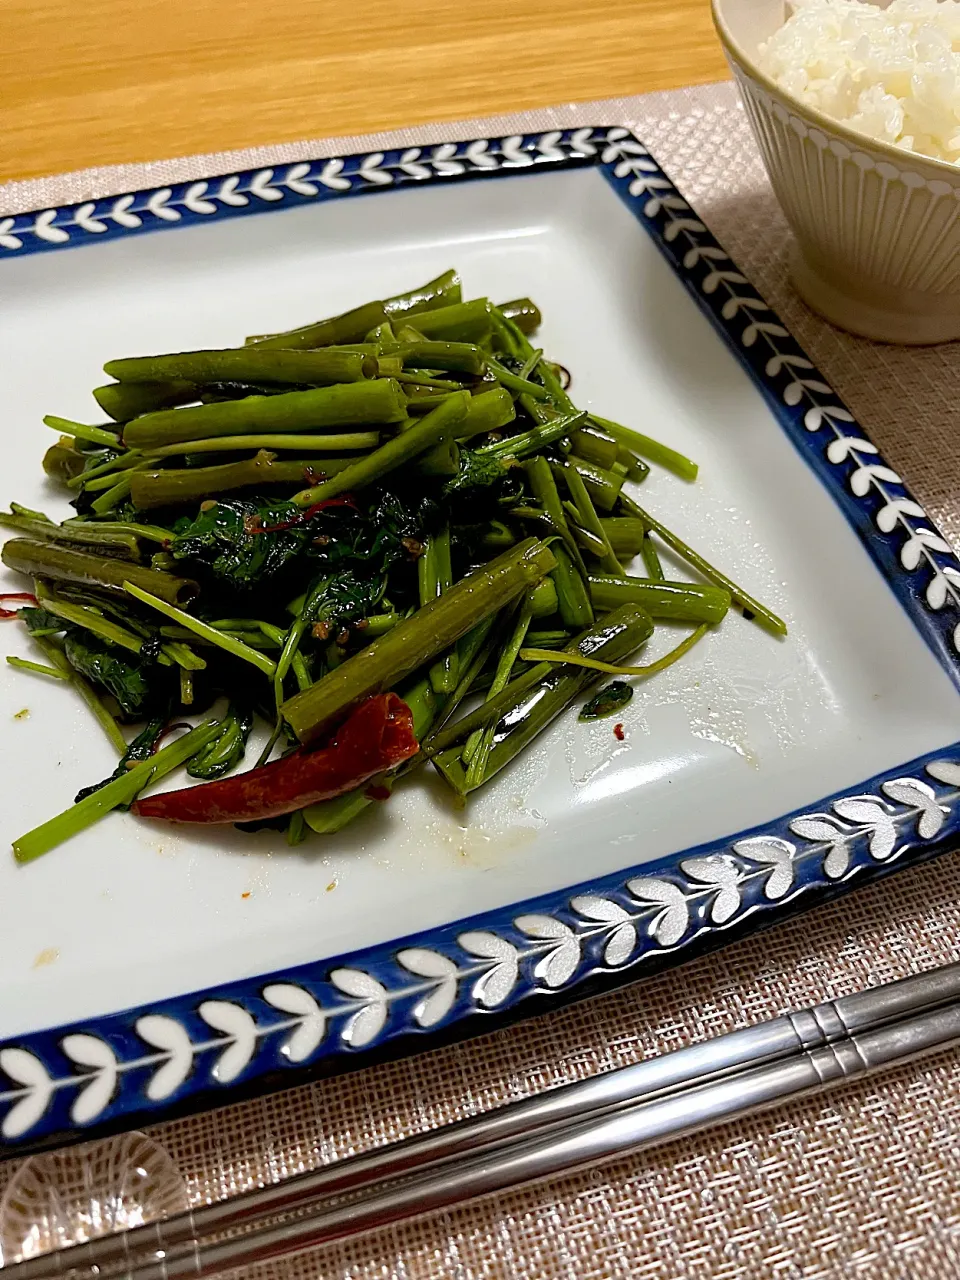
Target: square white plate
x=142 y=969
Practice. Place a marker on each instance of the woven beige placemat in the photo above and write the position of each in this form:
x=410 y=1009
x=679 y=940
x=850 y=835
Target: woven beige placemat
x=865 y=1183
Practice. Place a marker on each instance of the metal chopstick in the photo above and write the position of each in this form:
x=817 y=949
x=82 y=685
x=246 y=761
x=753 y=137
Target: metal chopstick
x=585 y=1145
x=537 y=1137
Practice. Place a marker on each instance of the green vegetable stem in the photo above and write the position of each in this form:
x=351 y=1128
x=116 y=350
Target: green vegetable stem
x=379 y=400
x=438 y=425
x=63 y=564
x=246 y=364
x=417 y=640
x=339 y=510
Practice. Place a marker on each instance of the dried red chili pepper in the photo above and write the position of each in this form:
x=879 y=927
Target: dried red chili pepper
x=345 y=500
x=26 y=596
x=377 y=736
x=166 y=731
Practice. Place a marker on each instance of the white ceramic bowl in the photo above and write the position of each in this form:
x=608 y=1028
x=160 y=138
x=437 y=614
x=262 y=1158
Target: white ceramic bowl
x=877 y=228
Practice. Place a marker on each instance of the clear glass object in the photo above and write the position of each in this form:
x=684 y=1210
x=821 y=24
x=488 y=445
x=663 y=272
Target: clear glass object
x=66 y=1197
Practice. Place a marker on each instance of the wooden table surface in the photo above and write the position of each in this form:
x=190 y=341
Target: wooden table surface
x=107 y=81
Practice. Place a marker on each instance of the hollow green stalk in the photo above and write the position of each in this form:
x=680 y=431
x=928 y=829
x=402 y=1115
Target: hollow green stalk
x=113 y=496
x=91 y=535
x=520 y=347
x=596 y=446
x=457 y=357
x=477 y=748
x=294 y=636
x=676 y=601
x=121 y=791
x=417 y=379
x=24 y=664
x=172 y=486
x=651 y=559
x=487 y=411
x=80 y=430
x=438 y=425
x=588 y=518
x=120 y=463
x=279 y=443
x=650 y=449
x=587 y=541
x=536 y=439
x=462 y=322
x=417 y=640
x=603 y=485
x=81 y=615
x=514 y=382
x=530 y=702
x=531 y=363
x=625 y=534
x=74 y=529
x=379 y=400
x=246 y=364
x=63 y=564
x=203 y=629
x=350 y=327
x=523 y=312
x=435 y=578
x=569 y=575
x=123 y=402
x=100 y=483
x=636 y=469
x=751 y=608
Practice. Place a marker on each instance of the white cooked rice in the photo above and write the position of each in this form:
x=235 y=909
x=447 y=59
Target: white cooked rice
x=892 y=74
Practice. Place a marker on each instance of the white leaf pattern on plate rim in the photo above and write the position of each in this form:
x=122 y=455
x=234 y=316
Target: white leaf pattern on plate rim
x=296 y=180
x=620 y=944
x=194 y=200
x=158 y=206
x=308 y=1035
x=97 y=1087
x=369 y=1020
x=670 y=923
x=719 y=873
x=777 y=855
x=592 y=907
x=43 y=228
x=560 y=962
x=229 y=194
x=170 y=1036
x=25 y=1069
x=425 y=963
x=499 y=979
x=240 y=1031
x=261 y=186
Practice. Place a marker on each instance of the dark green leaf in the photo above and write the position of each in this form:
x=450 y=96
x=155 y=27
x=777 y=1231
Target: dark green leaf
x=477 y=471
x=607 y=701
x=228 y=538
x=96 y=457
x=39 y=622
x=134 y=684
x=227 y=749
x=141 y=748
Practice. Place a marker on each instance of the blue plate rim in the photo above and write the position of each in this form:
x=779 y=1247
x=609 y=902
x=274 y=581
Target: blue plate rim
x=208 y=1048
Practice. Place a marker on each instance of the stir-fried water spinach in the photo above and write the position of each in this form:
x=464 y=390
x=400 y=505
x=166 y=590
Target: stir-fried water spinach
x=353 y=530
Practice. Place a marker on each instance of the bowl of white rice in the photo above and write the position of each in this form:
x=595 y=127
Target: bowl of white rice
x=856 y=110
